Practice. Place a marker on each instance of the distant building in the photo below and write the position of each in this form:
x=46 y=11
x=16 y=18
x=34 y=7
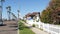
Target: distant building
x=33 y=18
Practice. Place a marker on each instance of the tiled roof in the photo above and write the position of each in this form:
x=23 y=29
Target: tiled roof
x=31 y=14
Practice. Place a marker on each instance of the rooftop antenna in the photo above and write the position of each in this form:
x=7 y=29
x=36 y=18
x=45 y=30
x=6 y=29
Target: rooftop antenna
x=1 y=9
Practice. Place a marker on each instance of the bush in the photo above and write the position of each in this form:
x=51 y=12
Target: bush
x=24 y=21
x=21 y=25
x=33 y=25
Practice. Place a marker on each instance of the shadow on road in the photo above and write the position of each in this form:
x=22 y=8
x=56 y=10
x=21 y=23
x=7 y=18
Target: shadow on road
x=8 y=30
x=3 y=25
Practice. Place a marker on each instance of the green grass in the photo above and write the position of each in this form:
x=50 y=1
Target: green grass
x=26 y=31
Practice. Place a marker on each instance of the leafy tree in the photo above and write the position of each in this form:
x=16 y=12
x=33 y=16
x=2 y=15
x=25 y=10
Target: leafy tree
x=46 y=14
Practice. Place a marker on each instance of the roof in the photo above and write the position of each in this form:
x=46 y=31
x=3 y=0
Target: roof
x=32 y=14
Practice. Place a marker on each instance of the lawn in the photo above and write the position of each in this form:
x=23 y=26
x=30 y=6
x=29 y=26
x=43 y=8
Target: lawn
x=23 y=29
x=26 y=31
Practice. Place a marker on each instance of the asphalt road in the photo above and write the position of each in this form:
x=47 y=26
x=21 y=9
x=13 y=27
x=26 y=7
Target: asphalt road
x=9 y=27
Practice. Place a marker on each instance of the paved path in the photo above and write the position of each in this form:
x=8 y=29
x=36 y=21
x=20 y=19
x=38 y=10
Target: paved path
x=36 y=30
x=10 y=27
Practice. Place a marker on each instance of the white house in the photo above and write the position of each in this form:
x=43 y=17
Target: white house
x=33 y=18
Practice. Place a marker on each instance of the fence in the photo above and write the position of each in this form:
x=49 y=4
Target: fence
x=53 y=29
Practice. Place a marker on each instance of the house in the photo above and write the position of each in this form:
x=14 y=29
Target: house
x=33 y=18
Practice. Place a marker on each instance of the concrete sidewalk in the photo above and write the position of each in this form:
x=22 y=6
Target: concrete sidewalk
x=38 y=31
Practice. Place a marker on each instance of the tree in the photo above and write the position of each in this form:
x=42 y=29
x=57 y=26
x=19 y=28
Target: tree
x=8 y=11
x=48 y=13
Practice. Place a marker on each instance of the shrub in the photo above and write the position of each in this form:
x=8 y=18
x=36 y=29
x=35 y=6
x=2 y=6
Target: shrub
x=24 y=20
x=33 y=25
x=41 y=29
x=21 y=25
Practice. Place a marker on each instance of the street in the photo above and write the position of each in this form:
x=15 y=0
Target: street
x=9 y=27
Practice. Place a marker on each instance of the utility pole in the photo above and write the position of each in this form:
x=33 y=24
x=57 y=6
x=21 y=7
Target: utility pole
x=1 y=9
x=18 y=14
x=8 y=11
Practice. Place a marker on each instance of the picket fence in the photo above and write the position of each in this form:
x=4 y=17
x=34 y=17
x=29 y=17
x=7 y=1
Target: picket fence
x=50 y=28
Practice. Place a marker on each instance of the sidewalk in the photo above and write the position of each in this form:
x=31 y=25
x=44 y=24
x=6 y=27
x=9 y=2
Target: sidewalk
x=36 y=30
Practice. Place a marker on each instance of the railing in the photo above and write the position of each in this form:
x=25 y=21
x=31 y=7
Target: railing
x=53 y=29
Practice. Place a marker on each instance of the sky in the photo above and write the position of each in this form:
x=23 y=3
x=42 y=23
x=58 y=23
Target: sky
x=25 y=6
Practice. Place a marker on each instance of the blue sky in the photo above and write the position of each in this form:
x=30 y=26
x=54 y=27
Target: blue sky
x=25 y=6
x=15 y=5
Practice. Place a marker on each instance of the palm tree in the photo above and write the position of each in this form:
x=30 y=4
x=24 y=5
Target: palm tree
x=8 y=11
x=8 y=8
x=18 y=13
x=2 y=0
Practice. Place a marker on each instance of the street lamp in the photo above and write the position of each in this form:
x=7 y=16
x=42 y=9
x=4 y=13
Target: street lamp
x=1 y=9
